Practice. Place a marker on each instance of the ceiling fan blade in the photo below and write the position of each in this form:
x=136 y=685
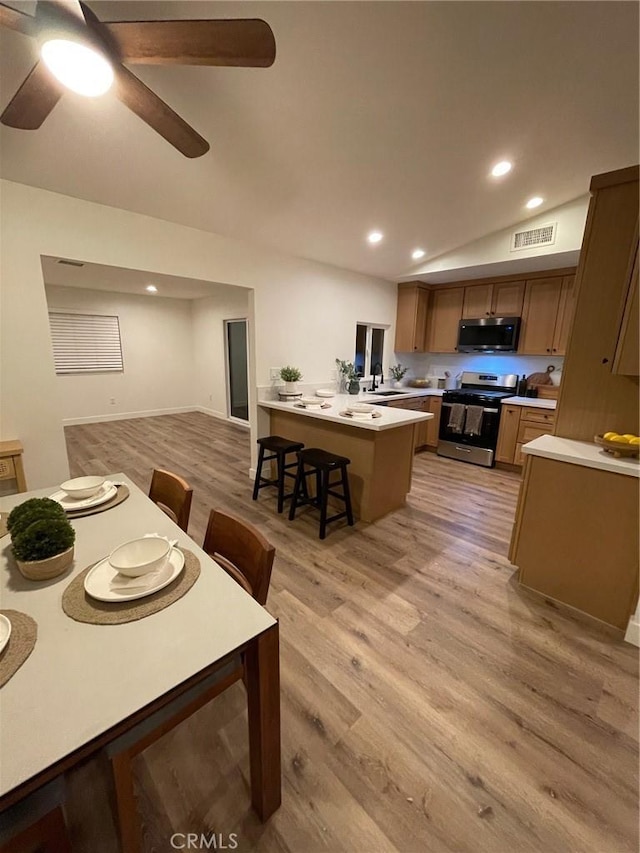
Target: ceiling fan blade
x=34 y=100
x=69 y=9
x=248 y=42
x=158 y=115
x=18 y=21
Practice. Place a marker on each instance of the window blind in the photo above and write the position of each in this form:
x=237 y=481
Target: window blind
x=86 y=343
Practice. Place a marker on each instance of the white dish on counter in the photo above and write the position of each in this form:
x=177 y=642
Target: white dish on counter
x=105 y=584
x=361 y=408
x=5 y=631
x=310 y=401
x=325 y=392
x=107 y=491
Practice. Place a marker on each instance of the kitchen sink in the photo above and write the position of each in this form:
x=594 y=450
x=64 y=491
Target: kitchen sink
x=388 y=393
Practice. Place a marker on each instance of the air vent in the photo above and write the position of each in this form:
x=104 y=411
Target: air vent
x=70 y=263
x=544 y=235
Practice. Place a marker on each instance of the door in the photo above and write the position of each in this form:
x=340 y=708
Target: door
x=508 y=297
x=541 y=303
x=444 y=319
x=237 y=369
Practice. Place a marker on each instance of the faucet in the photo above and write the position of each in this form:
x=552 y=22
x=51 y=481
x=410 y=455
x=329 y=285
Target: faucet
x=374 y=369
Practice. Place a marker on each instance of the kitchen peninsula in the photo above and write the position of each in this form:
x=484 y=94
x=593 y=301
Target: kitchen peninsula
x=380 y=448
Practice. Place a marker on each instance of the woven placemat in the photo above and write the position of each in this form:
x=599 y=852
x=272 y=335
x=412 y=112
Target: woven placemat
x=81 y=607
x=24 y=633
x=122 y=493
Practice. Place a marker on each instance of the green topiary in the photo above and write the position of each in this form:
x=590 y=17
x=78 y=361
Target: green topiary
x=43 y=539
x=290 y=374
x=26 y=513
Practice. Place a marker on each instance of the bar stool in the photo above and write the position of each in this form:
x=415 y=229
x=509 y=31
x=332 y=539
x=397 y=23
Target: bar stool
x=279 y=448
x=321 y=464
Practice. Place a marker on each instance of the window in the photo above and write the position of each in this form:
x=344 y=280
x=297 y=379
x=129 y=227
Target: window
x=369 y=349
x=86 y=343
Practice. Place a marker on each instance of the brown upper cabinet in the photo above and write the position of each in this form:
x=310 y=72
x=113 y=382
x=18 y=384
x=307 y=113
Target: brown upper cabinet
x=411 y=318
x=626 y=360
x=444 y=317
x=546 y=316
x=502 y=299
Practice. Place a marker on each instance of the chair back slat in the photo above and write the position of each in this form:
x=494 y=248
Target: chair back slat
x=242 y=551
x=173 y=495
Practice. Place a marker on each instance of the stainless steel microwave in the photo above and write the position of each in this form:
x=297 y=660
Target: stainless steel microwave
x=489 y=334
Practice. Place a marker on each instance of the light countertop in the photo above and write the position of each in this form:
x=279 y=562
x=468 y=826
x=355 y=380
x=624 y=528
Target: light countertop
x=532 y=402
x=389 y=417
x=584 y=453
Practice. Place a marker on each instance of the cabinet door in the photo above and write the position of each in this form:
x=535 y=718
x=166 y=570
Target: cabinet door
x=508 y=298
x=566 y=311
x=444 y=317
x=433 y=426
x=508 y=434
x=625 y=361
x=477 y=301
x=539 y=314
x=411 y=318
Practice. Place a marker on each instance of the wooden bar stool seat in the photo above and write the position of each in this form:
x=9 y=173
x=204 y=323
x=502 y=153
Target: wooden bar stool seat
x=320 y=463
x=278 y=449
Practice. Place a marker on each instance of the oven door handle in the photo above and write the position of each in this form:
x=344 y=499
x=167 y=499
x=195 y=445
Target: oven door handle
x=491 y=411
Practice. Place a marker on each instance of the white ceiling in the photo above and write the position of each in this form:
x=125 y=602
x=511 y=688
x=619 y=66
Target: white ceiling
x=383 y=115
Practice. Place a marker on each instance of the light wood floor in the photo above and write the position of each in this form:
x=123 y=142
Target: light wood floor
x=428 y=704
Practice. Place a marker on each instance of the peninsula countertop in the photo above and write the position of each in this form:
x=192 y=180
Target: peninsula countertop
x=389 y=417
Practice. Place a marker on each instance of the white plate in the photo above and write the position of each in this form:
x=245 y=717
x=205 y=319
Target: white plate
x=325 y=392
x=99 y=581
x=105 y=494
x=5 y=631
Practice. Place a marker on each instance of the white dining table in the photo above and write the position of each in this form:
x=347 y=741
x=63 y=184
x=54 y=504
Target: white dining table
x=84 y=684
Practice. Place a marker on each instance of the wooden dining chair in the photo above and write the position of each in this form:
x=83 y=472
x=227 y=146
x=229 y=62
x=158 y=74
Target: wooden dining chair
x=173 y=495
x=36 y=824
x=242 y=551
x=247 y=556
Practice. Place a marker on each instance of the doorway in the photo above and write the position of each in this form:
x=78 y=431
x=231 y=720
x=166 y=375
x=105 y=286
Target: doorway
x=237 y=369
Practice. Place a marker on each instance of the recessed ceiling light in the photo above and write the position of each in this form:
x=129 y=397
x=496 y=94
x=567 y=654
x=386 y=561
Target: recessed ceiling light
x=78 y=67
x=536 y=201
x=501 y=168
x=417 y=254
x=374 y=236
x=151 y=288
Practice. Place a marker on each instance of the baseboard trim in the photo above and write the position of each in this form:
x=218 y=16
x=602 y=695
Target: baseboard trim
x=633 y=633
x=125 y=416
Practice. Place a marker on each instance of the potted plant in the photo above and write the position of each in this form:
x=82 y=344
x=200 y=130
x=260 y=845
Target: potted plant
x=42 y=538
x=290 y=375
x=398 y=372
x=349 y=377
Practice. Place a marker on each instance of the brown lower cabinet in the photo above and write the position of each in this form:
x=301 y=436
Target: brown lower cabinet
x=425 y=434
x=575 y=537
x=520 y=425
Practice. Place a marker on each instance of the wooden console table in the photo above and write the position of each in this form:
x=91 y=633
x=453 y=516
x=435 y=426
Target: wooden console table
x=11 y=463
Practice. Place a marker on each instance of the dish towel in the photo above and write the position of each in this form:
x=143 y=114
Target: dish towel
x=473 y=423
x=456 y=417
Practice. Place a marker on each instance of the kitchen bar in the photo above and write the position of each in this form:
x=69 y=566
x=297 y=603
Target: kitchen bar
x=380 y=448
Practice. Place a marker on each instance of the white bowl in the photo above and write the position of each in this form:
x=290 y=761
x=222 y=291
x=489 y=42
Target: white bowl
x=361 y=408
x=325 y=392
x=82 y=487
x=140 y=556
x=311 y=401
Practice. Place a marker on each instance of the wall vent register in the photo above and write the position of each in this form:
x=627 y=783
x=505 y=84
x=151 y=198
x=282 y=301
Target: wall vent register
x=544 y=235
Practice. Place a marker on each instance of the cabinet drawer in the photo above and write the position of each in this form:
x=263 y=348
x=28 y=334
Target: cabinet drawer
x=539 y=416
x=415 y=404
x=7 y=468
x=527 y=432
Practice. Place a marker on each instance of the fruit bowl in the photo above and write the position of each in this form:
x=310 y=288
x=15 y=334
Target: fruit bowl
x=617 y=448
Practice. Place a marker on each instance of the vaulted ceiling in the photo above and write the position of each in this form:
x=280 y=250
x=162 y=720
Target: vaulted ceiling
x=375 y=115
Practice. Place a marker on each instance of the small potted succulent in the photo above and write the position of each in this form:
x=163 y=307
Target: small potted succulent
x=398 y=372
x=42 y=538
x=290 y=375
x=349 y=377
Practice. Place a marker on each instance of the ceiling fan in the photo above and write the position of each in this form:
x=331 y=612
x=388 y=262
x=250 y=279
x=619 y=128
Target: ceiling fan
x=68 y=31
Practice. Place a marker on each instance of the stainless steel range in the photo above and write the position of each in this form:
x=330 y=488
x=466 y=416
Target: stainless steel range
x=470 y=417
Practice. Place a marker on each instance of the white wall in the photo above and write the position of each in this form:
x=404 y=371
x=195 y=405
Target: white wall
x=156 y=337
x=496 y=248
x=301 y=312
x=209 y=359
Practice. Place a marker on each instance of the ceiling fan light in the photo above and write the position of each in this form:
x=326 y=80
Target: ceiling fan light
x=78 y=67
